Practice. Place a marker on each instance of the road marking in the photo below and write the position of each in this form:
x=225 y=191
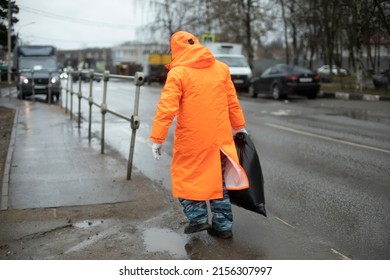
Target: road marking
x=284 y=222
x=281 y=113
x=344 y=257
x=326 y=138
x=341 y=255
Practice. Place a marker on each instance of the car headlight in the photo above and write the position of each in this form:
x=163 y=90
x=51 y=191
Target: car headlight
x=55 y=80
x=64 y=75
x=24 y=80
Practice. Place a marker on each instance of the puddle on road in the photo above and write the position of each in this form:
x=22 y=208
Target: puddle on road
x=363 y=115
x=88 y=223
x=158 y=240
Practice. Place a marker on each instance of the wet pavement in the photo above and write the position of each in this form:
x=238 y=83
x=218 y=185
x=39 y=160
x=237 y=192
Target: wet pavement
x=55 y=170
x=65 y=200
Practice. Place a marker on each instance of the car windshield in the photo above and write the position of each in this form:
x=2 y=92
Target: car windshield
x=37 y=63
x=233 y=61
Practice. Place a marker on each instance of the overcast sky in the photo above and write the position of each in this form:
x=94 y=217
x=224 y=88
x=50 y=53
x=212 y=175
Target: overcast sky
x=74 y=24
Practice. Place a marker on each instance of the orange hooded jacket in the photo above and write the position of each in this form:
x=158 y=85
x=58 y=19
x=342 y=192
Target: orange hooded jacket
x=200 y=94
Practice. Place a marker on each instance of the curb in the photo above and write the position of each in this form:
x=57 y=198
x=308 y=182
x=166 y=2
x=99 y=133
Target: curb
x=7 y=166
x=354 y=96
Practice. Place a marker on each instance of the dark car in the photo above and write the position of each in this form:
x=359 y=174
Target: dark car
x=282 y=80
x=84 y=76
x=43 y=80
x=36 y=67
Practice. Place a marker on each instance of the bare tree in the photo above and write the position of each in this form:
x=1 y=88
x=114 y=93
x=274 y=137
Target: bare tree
x=174 y=15
x=316 y=29
x=237 y=21
x=285 y=22
x=359 y=39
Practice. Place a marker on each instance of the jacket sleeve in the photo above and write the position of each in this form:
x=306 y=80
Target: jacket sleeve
x=236 y=115
x=167 y=108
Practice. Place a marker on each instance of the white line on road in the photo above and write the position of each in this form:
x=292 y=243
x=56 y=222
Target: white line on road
x=338 y=253
x=326 y=138
x=284 y=222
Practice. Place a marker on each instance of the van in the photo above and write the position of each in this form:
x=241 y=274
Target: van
x=231 y=55
x=37 y=70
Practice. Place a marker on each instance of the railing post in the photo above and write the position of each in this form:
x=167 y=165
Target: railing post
x=106 y=77
x=79 y=96
x=59 y=97
x=90 y=102
x=71 y=99
x=20 y=95
x=67 y=91
x=33 y=85
x=49 y=89
x=135 y=121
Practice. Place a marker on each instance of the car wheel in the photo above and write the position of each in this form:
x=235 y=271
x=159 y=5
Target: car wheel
x=312 y=95
x=276 y=92
x=251 y=91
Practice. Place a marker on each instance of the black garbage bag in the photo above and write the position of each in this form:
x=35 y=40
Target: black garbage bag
x=252 y=198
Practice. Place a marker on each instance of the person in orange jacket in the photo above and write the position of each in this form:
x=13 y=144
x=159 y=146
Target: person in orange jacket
x=199 y=92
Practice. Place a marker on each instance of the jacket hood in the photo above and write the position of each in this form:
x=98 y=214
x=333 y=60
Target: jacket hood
x=187 y=51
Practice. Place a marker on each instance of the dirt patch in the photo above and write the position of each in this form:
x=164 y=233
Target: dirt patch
x=6 y=123
x=104 y=231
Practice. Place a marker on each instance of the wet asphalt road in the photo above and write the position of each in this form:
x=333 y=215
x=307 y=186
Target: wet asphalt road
x=326 y=165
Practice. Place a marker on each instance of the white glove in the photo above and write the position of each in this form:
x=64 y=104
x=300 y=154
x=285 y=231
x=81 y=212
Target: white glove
x=243 y=130
x=156 y=149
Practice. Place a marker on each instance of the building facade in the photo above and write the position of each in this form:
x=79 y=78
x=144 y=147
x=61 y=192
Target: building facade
x=99 y=59
x=124 y=59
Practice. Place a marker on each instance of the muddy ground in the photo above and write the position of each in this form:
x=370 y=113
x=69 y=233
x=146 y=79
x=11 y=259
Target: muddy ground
x=6 y=124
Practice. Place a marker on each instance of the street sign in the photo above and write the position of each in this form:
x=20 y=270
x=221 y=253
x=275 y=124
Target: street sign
x=207 y=38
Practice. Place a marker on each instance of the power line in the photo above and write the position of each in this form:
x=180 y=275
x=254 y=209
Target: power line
x=74 y=19
x=73 y=41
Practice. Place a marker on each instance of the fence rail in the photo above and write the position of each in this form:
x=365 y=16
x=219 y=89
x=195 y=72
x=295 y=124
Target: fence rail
x=134 y=119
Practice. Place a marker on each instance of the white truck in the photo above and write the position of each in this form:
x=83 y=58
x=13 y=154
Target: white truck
x=231 y=54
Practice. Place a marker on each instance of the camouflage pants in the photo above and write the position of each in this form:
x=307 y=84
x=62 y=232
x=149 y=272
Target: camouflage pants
x=222 y=216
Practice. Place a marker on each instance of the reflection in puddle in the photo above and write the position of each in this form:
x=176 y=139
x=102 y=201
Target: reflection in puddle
x=359 y=115
x=158 y=239
x=88 y=223
x=364 y=116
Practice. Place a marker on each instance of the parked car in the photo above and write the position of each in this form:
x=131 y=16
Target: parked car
x=382 y=79
x=84 y=76
x=281 y=80
x=337 y=71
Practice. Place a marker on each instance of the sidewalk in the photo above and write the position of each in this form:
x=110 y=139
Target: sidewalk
x=60 y=186
x=53 y=165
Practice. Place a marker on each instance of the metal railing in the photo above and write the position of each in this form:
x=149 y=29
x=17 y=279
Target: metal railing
x=134 y=119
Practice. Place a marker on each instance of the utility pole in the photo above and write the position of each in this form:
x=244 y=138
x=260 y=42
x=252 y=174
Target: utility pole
x=9 y=42
x=359 y=70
